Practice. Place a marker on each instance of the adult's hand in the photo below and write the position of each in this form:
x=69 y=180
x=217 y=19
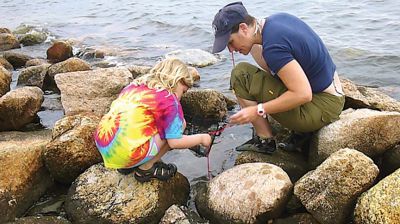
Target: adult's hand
x=245 y=115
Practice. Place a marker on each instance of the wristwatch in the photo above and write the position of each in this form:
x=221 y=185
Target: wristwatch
x=261 y=111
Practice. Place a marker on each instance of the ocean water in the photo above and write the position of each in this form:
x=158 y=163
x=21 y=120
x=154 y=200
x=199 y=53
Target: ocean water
x=362 y=37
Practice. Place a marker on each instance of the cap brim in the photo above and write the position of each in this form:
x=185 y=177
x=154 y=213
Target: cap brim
x=220 y=43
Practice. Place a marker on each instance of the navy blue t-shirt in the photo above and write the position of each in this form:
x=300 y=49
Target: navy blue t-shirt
x=286 y=37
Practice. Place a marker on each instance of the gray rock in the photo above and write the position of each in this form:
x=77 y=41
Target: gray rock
x=91 y=91
x=23 y=176
x=101 y=195
x=329 y=192
x=247 y=193
x=368 y=131
x=381 y=203
x=72 y=149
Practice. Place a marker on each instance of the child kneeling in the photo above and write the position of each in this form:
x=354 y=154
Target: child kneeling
x=146 y=120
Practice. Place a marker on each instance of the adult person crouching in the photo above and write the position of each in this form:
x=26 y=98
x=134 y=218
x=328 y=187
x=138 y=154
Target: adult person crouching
x=296 y=82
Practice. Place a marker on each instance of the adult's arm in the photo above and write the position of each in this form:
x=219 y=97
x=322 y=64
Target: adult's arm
x=298 y=93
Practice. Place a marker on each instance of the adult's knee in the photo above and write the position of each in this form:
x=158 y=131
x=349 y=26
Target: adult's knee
x=240 y=68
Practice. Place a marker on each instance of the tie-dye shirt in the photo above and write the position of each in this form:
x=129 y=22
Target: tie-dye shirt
x=138 y=113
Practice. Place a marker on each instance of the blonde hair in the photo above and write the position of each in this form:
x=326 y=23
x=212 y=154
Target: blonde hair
x=166 y=75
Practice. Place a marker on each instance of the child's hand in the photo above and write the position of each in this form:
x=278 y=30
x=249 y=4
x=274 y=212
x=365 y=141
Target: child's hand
x=206 y=140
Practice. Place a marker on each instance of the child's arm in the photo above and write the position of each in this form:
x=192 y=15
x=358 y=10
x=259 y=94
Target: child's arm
x=188 y=141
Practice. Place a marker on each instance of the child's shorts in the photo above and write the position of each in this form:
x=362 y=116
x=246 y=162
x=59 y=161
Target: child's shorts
x=118 y=157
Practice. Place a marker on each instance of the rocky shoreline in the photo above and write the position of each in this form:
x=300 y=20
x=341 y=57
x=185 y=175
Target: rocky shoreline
x=348 y=174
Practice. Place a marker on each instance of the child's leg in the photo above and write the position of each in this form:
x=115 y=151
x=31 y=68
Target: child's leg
x=163 y=146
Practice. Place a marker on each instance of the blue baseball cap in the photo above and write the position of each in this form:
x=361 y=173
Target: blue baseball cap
x=226 y=18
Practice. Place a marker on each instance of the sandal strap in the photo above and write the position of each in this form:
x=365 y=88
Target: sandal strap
x=159 y=170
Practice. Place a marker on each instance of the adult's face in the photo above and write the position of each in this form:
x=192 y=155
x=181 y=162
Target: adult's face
x=241 y=41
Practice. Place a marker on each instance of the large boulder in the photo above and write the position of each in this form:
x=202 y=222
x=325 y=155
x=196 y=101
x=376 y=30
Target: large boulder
x=205 y=104
x=247 y=193
x=368 y=131
x=329 y=192
x=23 y=176
x=5 y=80
x=91 y=91
x=293 y=163
x=101 y=195
x=380 y=204
x=72 y=149
x=19 y=107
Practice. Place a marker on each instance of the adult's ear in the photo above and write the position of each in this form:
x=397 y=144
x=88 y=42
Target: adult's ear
x=244 y=28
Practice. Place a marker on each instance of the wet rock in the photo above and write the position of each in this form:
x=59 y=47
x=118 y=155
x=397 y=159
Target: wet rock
x=193 y=57
x=17 y=60
x=303 y=218
x=35 y=62
x=41 y=220
x=89 y=53
x=19 y=107
x=91 y=91
x=6 y=64
x=368 y=131
x=33 y=76
x=330 y=191
x=293 y=163
x=391 y=160
x=381 y=203
x=32 y=38
x=101 y=195
x=59 y=51
x=8 y=41
x=366 y=97
x=248 y=193
x=206 y=104
x=5 y=80
x=23 y=176
x=72 y=149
